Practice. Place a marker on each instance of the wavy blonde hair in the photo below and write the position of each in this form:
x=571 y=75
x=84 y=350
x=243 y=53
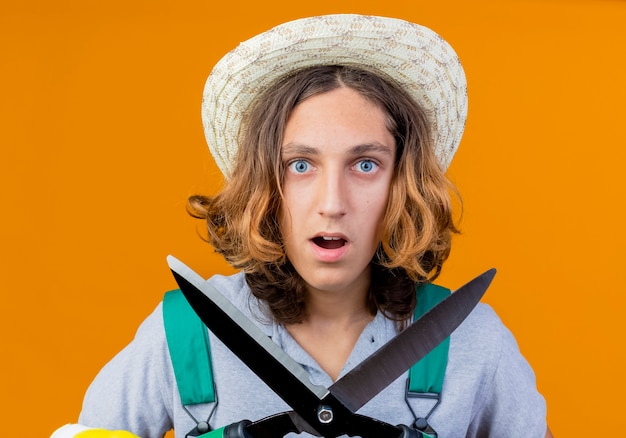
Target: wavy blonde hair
x=242 y=220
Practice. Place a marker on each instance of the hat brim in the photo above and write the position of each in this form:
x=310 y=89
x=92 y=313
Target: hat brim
x=414 y=56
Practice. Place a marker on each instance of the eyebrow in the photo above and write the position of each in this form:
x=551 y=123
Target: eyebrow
x=361 y=149
x=371 y=147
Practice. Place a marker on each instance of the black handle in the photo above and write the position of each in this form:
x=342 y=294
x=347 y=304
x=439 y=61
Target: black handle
x=237 y=430
x=408 y=432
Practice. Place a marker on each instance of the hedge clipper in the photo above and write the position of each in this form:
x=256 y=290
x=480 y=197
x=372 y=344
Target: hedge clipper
x=320 y=411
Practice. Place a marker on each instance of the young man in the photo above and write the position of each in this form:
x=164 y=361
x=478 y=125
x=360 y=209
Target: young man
x=333 y=134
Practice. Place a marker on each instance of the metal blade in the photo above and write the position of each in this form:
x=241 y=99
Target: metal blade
x=394 y=358
x=247 y=341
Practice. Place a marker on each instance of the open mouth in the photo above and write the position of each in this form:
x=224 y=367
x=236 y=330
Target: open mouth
x=329 y=242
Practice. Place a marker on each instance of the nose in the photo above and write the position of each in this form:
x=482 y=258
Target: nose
x=332 y=194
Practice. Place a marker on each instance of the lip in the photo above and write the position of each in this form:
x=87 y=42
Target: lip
x=329 y=255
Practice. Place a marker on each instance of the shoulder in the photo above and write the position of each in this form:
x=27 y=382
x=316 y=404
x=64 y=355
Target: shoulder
x=475 y=348
x=488 y=375
x=481 y=345
x=146 y=358
x=481 y=324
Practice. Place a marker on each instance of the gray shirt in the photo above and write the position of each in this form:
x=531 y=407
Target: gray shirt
x=489 y=389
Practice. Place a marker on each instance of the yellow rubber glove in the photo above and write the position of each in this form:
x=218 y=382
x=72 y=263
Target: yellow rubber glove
x=80 y=431
x=102 y=433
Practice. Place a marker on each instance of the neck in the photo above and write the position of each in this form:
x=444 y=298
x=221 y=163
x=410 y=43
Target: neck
x=332 y=325
x=345 y=305
x=324 y=307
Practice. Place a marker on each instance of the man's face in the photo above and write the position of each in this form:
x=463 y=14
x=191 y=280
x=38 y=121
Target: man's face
x=339 y=159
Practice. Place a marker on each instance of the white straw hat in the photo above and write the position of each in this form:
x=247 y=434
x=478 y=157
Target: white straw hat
x=414 y=56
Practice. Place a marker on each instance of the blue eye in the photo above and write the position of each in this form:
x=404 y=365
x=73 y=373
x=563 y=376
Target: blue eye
x=299 y=166
x=366 y=166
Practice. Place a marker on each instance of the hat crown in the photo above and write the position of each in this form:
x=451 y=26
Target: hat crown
x=417 y=58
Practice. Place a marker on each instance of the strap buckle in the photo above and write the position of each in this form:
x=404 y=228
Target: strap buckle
x=420 y=424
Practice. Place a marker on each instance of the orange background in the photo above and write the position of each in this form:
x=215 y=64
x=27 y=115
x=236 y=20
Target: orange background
x=101 y=143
